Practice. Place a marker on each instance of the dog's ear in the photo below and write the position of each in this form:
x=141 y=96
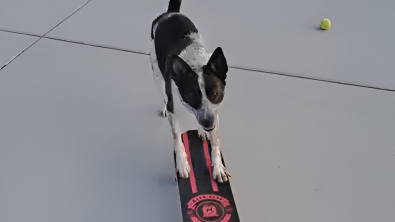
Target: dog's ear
x=180 y=68
x=217 y=64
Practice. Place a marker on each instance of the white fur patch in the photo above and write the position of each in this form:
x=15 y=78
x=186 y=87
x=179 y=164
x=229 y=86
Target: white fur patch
x=195 y=54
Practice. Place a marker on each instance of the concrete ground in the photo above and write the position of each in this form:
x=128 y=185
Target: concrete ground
x=308 y=134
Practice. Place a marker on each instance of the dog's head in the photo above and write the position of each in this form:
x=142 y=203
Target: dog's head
x=202 y=91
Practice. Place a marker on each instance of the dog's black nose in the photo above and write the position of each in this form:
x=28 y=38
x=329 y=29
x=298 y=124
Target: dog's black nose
x=207 y=120
x=207 y=125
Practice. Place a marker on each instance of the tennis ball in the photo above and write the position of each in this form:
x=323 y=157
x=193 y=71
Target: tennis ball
x=325 y=24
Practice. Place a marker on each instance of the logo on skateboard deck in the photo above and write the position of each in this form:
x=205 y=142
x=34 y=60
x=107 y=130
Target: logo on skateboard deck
x=209 y=208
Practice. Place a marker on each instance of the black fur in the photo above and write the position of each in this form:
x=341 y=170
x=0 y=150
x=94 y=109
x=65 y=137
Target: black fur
x=171 y=37
x=214 y=74
x=174 y=6
x=214 y=87
x=217 y=64
x=187 y=82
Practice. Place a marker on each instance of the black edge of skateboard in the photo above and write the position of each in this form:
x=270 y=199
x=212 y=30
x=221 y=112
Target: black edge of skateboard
x=208 y=200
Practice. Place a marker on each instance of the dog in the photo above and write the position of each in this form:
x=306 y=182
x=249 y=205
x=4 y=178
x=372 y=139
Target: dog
x=192 y=81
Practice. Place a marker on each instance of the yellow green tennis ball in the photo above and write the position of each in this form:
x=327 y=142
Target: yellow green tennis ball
x=325 y=24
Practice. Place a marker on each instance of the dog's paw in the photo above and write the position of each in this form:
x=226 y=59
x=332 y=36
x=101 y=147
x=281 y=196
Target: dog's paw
x=182 y=166
x=163 y=113
x=202 y=135
x=220 y=173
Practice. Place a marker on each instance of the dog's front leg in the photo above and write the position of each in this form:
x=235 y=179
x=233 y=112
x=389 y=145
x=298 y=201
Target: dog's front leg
x=219 y=171
x=163 y=113
x=182 y=165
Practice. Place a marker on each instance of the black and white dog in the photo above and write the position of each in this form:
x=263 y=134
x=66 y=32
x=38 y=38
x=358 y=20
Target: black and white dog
x=193 y=83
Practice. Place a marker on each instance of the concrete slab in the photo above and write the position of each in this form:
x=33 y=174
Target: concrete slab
x=120 y=23
x=300 y=150
x=35 y=16
x=11 y=44
x=272 y=35
x=284 y=36
x=78 y=143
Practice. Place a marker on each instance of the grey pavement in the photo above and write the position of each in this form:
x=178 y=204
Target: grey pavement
x=81 y=138
x=12 y=44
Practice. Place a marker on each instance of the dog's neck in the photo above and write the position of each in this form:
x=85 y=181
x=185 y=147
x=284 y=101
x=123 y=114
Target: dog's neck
x=195 y=54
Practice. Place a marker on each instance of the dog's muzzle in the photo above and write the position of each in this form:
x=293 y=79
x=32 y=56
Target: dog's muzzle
x=206 y=120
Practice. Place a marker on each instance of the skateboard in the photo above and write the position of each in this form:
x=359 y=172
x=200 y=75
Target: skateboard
x=202 y=198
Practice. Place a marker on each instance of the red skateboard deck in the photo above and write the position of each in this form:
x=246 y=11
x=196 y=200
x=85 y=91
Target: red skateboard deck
x=202 y=198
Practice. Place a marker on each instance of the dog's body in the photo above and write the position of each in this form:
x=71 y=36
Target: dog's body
x=192 y=81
